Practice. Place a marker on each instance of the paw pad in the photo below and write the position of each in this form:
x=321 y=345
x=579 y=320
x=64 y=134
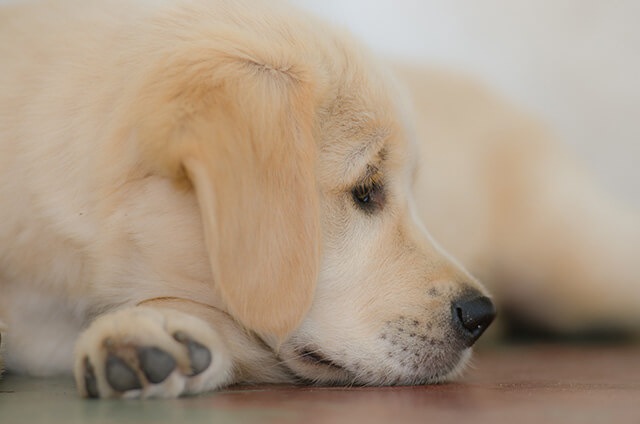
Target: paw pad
x=156 y=364
x=121 y=376
x=90 y=382
x=199 y=355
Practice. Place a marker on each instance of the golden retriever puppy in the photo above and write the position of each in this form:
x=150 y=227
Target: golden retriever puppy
x=205 y=193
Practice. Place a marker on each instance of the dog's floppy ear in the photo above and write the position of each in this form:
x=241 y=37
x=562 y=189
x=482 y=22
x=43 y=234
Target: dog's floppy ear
x=241 y=131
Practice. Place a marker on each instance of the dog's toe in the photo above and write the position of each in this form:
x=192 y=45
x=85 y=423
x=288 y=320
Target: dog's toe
x=156 y=364
x=121 y=376
x=90 y=382
x=199 y=355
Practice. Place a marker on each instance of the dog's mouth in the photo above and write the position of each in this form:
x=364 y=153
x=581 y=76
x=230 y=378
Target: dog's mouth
x=310 y=365
x=315 y=357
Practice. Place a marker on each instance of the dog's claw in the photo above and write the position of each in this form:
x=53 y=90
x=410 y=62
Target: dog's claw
x=90 y=382
x=156 y=364
x=199 y=355
x=120 y=376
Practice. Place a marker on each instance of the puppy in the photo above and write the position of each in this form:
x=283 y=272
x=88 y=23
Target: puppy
x=233 y=192
x=209 y=193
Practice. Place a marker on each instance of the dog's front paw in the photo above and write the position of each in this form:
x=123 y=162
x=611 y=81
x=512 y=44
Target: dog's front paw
x=149 y=352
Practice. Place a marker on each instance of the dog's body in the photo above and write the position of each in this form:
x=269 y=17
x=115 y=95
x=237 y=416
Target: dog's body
x=224 y=192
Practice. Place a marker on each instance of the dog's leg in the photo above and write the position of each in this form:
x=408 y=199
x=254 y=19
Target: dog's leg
x=569 y=255
x=167 y=348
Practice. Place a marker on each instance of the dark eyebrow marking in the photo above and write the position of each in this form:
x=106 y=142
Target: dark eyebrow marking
x=366 y=151
x=370 y=149
x=371 y=172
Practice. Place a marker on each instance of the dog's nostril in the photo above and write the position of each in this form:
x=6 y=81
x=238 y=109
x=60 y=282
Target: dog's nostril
x=473 y=316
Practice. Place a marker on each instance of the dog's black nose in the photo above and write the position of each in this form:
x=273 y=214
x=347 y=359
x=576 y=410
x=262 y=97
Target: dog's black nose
x=472 y=315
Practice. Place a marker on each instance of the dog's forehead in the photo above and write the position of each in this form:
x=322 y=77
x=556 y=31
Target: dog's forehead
x=360 y=126
x=360 y=113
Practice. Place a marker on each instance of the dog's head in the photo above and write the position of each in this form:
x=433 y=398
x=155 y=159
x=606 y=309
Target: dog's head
x=302 y=161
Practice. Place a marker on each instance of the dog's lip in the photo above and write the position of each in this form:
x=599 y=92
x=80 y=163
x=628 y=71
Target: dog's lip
x=311 y=365
x=314 y=356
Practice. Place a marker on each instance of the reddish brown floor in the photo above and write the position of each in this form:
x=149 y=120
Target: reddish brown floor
x=523 y=385
x=517 y=384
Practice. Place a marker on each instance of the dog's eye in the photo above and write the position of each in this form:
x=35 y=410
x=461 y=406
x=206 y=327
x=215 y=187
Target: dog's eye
x=368 y=196
x=362 y=194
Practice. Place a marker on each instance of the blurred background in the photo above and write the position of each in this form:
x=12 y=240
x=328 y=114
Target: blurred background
x=574 y=64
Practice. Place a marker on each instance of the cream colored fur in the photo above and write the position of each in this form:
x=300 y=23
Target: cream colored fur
x=188 y=166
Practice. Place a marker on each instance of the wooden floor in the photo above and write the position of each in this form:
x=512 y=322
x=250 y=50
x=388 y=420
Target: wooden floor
x=514 y=384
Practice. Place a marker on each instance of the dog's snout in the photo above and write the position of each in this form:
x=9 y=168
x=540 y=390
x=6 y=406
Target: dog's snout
x=472 y=316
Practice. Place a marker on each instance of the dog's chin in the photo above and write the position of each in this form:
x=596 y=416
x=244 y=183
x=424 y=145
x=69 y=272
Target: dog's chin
x=313 y=366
